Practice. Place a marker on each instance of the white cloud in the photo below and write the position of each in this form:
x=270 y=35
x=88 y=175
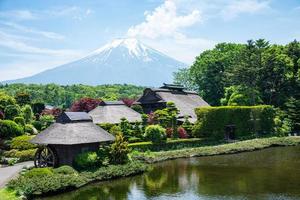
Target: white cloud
x=19 y=15
x=47 y=34
x=237 y=7
x=12 y=42
x=164 y=21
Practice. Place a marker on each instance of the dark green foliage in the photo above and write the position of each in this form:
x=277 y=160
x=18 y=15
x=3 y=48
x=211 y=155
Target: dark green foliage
x=119 y=150
x=170 y=145
x=293 y=112
x=87 y=160
x=30 y=129
x=10 y=129
x=137 y=108
x=23 y=98
x=37 y=124
x=12 y=111
x=126 y=127
x=22 y=143
x=249 y=120
x=20 y=121
x=156 y=134
x=38 y=107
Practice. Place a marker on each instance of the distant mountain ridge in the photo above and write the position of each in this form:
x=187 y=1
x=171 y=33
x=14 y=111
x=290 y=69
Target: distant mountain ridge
x=123 y=61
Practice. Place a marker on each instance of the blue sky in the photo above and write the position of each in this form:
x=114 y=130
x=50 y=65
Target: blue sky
x=36 y=35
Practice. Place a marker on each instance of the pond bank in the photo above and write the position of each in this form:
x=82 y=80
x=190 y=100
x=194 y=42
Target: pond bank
x=56 y=183
x=231 y=148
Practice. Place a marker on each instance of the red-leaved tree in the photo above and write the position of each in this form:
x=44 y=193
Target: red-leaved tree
x=182 y=132
x=85 y=104
x=128 y=102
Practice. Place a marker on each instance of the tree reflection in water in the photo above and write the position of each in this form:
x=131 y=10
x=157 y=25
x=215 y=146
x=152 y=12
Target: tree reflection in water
x=267 y=174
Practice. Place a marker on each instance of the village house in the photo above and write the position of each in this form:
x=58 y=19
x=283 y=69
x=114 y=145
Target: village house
x=186 y=101
x=72 y=134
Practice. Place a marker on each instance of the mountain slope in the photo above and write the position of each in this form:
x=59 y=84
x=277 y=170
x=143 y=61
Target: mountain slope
x=121 y=61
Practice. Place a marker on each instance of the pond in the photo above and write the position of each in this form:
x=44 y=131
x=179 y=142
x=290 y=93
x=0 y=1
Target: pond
x=272 y=173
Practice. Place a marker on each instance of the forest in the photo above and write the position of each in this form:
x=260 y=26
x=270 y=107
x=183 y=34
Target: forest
x=63 y=96
x=254 y=73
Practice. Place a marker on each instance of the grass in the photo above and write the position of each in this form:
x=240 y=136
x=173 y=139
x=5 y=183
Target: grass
x=242 y=146
x=7 y=194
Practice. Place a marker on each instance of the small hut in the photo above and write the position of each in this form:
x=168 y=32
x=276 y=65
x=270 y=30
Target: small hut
x=186 y=101
x=72 y=134
x=112 y=112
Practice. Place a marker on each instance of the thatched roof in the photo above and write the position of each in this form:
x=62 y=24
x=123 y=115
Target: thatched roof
x=68 y=117
x=112 y=112
x=72 y=133
x=185 y=101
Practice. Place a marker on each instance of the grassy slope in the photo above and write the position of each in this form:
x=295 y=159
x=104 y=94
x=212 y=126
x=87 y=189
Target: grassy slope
x=247 y=145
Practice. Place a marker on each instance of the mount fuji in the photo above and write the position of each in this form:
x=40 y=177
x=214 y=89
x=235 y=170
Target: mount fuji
x=123 y=61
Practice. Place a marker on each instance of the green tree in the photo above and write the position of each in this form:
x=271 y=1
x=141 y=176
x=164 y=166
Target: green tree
x=239 y=95
x=23 y=98
x=27 y=113
x=12 y=111
x=119 y=150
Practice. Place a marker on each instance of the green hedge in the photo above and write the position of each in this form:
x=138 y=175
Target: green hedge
x=37 y=182
x=24 y=155
x=169 y=145
x=249 y=120
x=10 y=129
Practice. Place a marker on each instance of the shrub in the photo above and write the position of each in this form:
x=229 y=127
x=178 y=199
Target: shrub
x=169 y=132
x=119 y=150
x=38 y=172
x=10 y=129
x=106 y=126
x=27 y=113
x=248 y=120
x=20 y=121
x=126 y=127
x=46 y=121
x=30 y=129
x=182 y=132
x=24 y=155
x=137 y=108
x=38 y=125
x=115 y=130
x=86 y=160
x=22 y=143
x=6 y=100
x=171 y=144
x=38 y=107
x=23 y=98
x=85 y=105
x=12 y=111
x=155 y=133
x=66 y=170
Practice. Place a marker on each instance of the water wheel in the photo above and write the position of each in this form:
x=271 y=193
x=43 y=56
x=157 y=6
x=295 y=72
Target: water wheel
x=45 y=157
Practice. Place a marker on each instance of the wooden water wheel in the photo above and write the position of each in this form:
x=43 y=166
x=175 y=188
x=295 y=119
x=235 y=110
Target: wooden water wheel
x=45 y=157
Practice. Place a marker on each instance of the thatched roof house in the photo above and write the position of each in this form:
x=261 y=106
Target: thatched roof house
x=73 y=133
x=186 y=101
x=112 y=112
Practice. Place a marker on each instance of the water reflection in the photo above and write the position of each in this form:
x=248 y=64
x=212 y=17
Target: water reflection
x=268 y=174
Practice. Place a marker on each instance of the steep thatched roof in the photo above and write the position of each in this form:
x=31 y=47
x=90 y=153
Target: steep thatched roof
x=185 y=101
x=72 y=133
x=112 y=112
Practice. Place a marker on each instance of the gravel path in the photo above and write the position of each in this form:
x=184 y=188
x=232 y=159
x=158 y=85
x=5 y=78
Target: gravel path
x=8 y=173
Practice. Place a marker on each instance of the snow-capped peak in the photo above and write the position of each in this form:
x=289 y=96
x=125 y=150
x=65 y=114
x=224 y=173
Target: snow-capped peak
x=133 y=45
